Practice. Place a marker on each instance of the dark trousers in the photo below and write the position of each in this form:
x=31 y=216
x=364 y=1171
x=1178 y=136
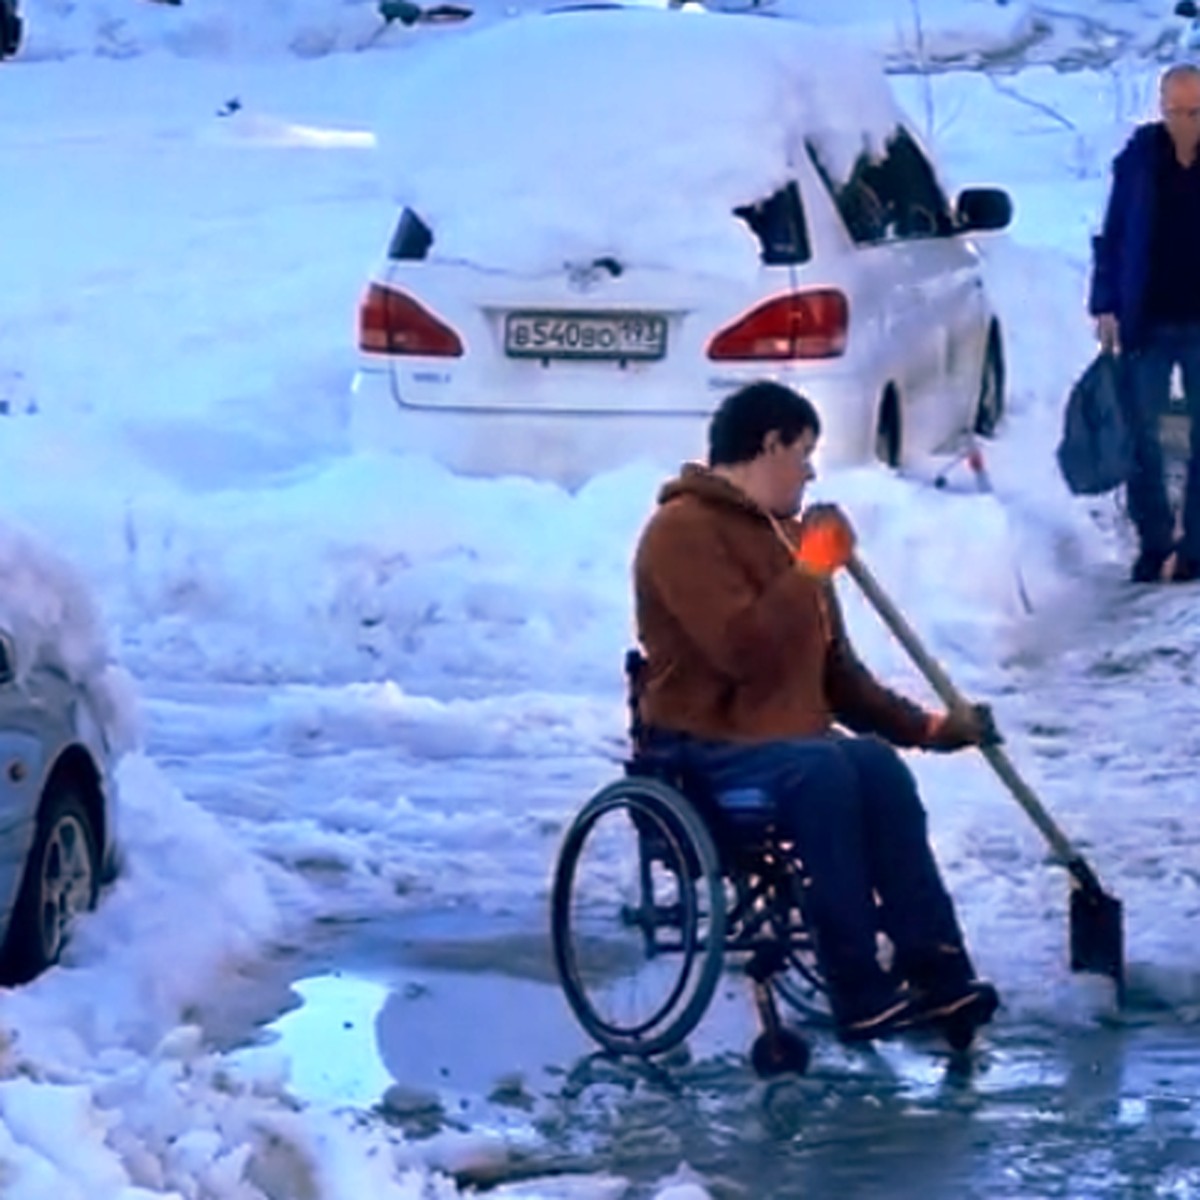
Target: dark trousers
x=1147 y=383
x=852 y=809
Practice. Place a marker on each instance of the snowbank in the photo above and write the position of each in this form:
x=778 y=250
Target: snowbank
x=948 y=31
x=199 y=28
x=47 y=610
x=917 y=34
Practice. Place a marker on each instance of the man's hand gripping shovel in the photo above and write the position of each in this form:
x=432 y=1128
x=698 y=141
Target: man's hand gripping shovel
x=827 y=544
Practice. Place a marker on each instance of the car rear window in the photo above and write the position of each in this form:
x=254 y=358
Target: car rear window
x=893 y=197
x=778 y=223
x=411 y=238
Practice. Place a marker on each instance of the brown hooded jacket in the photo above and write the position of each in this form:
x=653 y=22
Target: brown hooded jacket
x=741 y=643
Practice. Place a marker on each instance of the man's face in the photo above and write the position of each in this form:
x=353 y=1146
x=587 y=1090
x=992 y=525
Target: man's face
x=788 y=471
x=1180 y=102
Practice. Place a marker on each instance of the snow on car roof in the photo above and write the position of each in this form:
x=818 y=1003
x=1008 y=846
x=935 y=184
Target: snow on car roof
x=632 y=133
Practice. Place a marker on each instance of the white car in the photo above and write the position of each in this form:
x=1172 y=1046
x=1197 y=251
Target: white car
x=610 y=218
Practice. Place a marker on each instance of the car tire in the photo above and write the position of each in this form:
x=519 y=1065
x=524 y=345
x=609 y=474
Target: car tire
x=10 y=33
x=61 y=880
x=989 y=408
x=888 y=435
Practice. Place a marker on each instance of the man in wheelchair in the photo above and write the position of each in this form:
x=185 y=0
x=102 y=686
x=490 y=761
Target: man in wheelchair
x=749 y=671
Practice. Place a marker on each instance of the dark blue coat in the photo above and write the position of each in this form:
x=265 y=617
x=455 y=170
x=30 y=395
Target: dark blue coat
x=1121 y=253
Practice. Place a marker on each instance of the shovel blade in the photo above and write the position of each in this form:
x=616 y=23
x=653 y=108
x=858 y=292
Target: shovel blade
x=1098 y=935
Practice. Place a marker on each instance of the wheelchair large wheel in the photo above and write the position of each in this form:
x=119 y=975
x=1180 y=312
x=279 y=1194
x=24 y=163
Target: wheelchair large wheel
x=638 y=917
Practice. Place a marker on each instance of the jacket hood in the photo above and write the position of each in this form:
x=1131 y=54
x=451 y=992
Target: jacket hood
x=704 y=484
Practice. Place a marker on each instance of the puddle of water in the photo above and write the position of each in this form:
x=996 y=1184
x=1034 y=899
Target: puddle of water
x=470 y=1032
x=331 y=1042
x=352 y=1037
x=474 y=1034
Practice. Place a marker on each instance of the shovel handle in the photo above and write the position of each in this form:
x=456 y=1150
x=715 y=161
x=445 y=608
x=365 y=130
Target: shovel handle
x=941 y=683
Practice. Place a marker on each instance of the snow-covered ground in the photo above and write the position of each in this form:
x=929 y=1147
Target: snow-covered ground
x=176 y=346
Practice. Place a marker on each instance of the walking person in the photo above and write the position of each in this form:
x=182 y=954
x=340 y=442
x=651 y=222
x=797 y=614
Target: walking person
x=1145 y=297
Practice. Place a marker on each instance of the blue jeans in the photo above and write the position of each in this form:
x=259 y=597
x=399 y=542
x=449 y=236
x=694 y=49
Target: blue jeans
x=1147 y=383
x=852 y=809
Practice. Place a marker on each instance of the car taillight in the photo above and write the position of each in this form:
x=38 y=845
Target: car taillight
x=799 y=325
x=389 y=322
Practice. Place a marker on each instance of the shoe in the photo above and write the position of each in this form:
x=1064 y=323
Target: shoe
x=889 y=1012
x=1187 y=569
x=974 y=1002
x=1148 y=566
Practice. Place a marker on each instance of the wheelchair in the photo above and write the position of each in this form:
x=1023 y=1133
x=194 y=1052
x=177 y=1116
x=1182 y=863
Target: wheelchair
x=657 y=881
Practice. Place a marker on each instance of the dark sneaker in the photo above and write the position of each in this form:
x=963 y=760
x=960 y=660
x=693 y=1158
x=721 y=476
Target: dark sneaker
x=975 y=1002
x=1187 y=569
x=1148 y=567
x=888 y=1013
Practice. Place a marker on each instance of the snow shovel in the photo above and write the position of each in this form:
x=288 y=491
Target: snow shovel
x=1097 y=935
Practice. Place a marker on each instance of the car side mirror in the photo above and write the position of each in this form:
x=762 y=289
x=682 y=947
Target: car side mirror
x=8 y=659
x=982 y=208
x=1187 y=8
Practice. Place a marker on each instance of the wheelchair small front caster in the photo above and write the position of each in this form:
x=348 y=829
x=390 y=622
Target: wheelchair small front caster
x=959 y=1034
x=785 y=1053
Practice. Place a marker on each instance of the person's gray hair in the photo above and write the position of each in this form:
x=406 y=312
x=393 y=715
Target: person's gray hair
x=1184 y=70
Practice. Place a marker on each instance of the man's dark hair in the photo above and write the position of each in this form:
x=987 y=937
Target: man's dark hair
x=741 y=424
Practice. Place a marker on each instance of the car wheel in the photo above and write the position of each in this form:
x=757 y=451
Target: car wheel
x=887 y=430
x=990 y=408
x=10 y=33
x=61 y=880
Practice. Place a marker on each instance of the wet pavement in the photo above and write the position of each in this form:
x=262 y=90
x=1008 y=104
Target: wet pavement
x=437 y=1029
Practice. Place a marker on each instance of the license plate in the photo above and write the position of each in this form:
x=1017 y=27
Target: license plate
x=585 y=335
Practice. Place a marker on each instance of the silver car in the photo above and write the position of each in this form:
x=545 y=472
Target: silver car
x=57 y=810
